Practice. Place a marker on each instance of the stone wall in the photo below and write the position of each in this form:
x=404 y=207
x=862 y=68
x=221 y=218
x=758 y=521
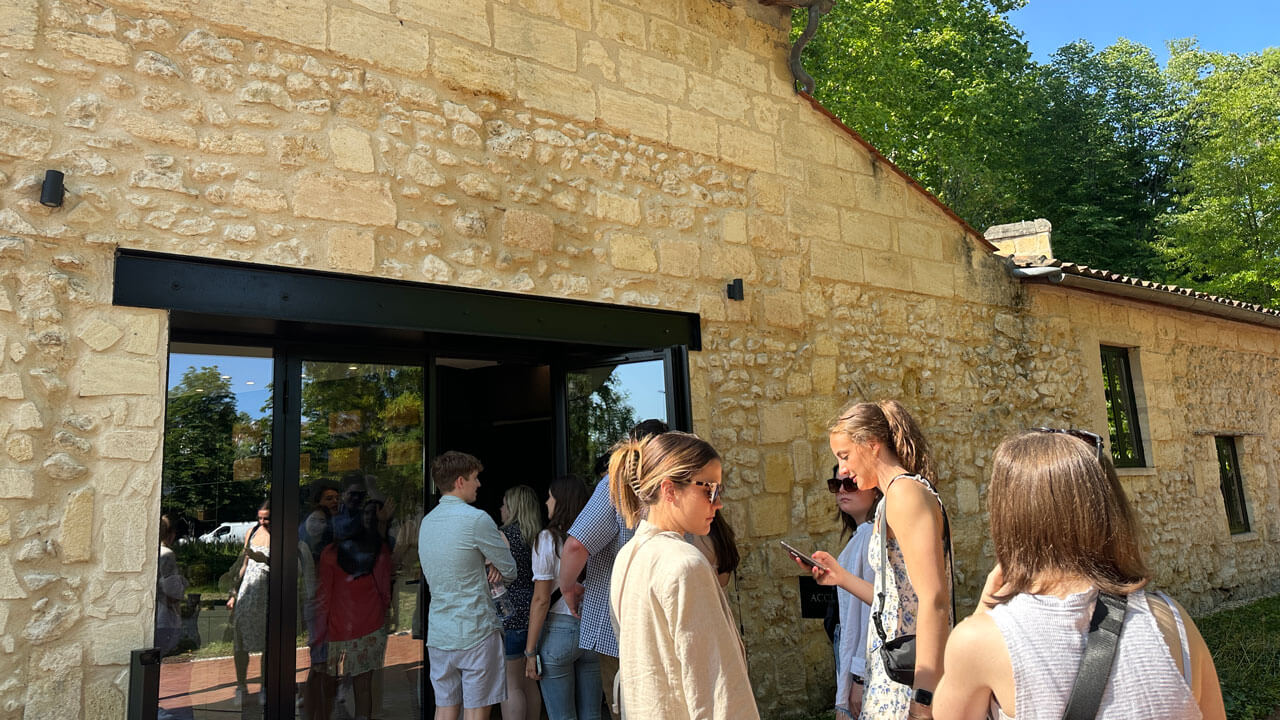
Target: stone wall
x=1195 y=377
x=617 y=151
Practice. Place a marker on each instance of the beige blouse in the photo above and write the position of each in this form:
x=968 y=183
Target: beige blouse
x=680 y=655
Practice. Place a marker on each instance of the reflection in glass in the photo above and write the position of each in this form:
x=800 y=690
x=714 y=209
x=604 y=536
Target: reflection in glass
x=211 y=590
x=361 y=493
x=604 y=403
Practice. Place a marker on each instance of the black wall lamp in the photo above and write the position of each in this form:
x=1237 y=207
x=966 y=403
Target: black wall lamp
x=52 y=190
x=735 y=289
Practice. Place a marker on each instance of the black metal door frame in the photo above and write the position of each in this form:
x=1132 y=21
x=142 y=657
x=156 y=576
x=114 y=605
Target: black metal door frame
x=306 y=315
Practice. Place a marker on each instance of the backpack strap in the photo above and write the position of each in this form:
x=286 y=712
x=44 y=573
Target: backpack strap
x=1099 y=657
x=1161 y=624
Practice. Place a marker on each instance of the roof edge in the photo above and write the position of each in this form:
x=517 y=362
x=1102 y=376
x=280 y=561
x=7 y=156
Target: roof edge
x=1201 y=304
x=899 y=171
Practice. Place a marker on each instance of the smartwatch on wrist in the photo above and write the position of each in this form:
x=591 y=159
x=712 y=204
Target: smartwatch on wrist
x=921 y=697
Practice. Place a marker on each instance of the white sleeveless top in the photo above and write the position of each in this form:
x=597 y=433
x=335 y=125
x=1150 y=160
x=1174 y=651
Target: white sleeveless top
x=1045 y=637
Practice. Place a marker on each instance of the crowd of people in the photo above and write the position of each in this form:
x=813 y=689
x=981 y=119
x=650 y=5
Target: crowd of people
x=627 y=599
x=613 y=603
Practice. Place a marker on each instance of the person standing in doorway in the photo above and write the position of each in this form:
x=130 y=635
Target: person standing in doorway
x=593 y=543
x=521 y=522
x=570 y=675
x=464 y=635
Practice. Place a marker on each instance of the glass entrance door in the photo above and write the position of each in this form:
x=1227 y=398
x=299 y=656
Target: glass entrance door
x=360 y=501
x=604 y=400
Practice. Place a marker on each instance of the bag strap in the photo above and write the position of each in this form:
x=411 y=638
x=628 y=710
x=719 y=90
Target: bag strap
x=882 y=522
x=1099 y=656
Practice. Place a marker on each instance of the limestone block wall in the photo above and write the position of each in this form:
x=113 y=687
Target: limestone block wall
x=610 y=150
x=1195 y=377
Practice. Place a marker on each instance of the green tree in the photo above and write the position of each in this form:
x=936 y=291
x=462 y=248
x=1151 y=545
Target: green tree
x=200 y=451
x=942 y=88
x=1099 y=153
x=369 y=420
x=599 y=416
x=1223 y=236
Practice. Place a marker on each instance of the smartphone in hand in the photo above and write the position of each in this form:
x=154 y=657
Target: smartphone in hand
x=795 y=553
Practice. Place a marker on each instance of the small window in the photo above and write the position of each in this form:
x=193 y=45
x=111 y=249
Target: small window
x=1122 y=408
x=1232 y=485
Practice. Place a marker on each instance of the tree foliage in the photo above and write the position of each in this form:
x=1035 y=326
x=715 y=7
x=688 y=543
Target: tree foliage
x=599 y=415
x=1223 y=234
x=200 y=451
x=1163 y=173
x=368 y=420
x=937 y=86
x=1098 y=161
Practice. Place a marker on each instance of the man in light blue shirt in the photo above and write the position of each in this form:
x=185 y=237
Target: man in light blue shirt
x=464 y=635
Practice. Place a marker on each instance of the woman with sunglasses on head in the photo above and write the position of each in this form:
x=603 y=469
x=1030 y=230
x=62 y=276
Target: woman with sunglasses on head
x=880 y=447
x=1064 y=533
x=681 y=656
x=855 y=510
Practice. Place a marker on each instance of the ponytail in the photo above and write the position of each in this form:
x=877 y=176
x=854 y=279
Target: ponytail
x=888 y=423
x=624 y=480
x=908 y=442
x=638 y=467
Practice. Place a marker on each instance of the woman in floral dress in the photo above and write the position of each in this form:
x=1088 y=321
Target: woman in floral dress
x=880 y=446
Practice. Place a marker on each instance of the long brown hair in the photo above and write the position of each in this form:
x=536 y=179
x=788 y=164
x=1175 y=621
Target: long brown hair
x=1058 y=508
x=888 y=423
x=638 y=467
x=571 y=496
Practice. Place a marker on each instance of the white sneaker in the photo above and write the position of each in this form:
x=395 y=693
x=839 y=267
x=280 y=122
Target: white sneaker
x=262 y=698
x=237 y=700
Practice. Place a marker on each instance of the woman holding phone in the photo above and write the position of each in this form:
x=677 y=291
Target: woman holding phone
x=681 y=656
x=880 y=446
x=1064 y=532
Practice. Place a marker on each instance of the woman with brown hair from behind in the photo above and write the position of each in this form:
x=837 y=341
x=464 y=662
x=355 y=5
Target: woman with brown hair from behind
x=880 y=446
x=1064 y=532
x=681 y=656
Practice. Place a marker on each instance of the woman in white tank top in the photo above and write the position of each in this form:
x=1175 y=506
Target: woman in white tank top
x=1063 y=530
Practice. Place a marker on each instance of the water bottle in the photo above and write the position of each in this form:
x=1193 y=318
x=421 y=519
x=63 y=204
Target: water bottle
x=501 y=600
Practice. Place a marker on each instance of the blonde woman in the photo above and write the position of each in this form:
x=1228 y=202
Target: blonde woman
x=681 y=656
x=521 y=515
x=879 y=446
x=1063 y=531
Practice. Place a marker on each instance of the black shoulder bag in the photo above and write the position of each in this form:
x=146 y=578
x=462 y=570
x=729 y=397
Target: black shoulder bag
x=1099 y=657
x=899 y=654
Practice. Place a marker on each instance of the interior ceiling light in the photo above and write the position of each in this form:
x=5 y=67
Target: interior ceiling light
x=248 y=382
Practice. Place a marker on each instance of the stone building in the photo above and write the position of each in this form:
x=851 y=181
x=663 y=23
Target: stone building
x=505 y=196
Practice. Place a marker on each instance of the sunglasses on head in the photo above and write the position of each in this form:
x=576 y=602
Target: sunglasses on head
x=1084 y=435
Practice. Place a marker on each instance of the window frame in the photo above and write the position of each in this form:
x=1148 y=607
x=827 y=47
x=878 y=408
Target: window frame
x=1127 y=449
x=1231 y=484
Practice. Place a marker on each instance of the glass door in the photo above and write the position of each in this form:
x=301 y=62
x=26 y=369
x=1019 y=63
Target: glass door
x=360 y=501
x=215 y=535
x=603 y=399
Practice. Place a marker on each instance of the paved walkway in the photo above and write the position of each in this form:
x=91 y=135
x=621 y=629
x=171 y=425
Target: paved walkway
x=205 y=689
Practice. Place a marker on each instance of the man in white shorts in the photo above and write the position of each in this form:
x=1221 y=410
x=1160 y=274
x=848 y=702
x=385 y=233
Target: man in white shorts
x=464 y=636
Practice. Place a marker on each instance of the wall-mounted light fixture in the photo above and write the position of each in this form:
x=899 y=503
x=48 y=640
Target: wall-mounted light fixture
x=735 y=289
x=51 y=191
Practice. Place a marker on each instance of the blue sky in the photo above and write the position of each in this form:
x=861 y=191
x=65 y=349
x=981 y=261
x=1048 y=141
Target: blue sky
x=644 y=382
x=1239 y=26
